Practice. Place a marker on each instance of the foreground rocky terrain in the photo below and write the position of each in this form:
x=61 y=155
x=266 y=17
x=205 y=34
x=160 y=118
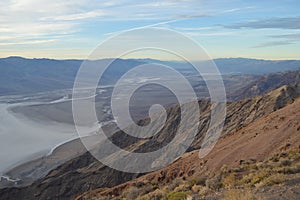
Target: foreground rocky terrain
x=248 y=134
x=259 y=161
x=28 y=172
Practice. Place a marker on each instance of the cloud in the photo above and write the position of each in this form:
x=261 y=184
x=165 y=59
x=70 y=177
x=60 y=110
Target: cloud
x=24 y=21
x=210 y=34
x=26 y=42
x=37 y=29
x=286 y=39
x=295 y=36
x=273 y=43
x=43 y=12
x=236 y=9
x=146 y=26
x=158 y=24
x=189 y=16
x=275 y=23
x=78 y=16
x=194 y=28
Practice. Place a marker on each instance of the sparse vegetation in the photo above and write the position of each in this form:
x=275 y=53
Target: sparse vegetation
x=238 y=194
x=131 y=193
x=155 y=195
x=177 y=196
x=240 y=182
x=272 y=171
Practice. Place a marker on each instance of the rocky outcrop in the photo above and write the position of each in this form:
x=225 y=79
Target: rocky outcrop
x=272 y=134
x=267 y=83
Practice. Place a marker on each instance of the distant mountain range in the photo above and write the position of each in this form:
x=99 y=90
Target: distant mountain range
x=20 y=75
x=253 y=66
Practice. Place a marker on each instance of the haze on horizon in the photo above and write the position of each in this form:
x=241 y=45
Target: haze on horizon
x=70 y=29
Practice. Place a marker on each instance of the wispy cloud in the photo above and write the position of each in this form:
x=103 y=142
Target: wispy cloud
x=273 y=43
x=78 y=16
x=51 y=18
x=146 y=26
x=236 y=9
x=26 y=42
x=283 y=39
x=209 y=34
x=183 y=17
x=275 y=23
x=23 y=22
x=193 y=28
x=81 y=23
x=56 y=17
x=294 y=36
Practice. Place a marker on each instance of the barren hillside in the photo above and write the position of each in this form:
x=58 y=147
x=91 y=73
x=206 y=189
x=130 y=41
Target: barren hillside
x=274 y=136
x=84 y=173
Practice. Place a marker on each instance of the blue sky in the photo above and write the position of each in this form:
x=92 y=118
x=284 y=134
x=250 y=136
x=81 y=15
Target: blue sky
x=261 y=29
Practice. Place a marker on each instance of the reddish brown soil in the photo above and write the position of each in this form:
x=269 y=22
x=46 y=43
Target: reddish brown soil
x=276 y=132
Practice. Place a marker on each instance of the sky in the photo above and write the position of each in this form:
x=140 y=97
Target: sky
x=72 y=29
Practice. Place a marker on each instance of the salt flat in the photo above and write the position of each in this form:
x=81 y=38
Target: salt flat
x=22 y=139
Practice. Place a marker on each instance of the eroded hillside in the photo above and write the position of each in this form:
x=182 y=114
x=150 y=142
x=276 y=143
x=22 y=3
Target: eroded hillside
x=84 y=173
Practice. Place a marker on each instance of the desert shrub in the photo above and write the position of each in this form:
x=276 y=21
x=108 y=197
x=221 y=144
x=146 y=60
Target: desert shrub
x=283 y=155
x=260 y=165
x=182 y=188
x=177 y=196
x=204 y=191
x=200 y=181
x=191 y=183
x=274 y=159
x=174 y=184
x=257 y=179
x=254 y=167
x=235 y=194
x=154 y=187
x=238 y=169
x=230 y=180
x=214 y=183
x=260 y=175
x=272 y=180
x=220 y=185
x=148 y=188
x=139 y=184
x=196 y=188
x=290 y=170
x=224 y=169
x=131 y=193
x=155 y=195
x=294 y=153
x=285 y=162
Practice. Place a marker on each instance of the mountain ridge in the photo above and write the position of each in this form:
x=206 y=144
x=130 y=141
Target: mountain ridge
x=23 y=76
x=259 y=140
x=85 y=173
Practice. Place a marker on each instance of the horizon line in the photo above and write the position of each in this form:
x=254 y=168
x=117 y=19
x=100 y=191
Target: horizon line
x=82 y=59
